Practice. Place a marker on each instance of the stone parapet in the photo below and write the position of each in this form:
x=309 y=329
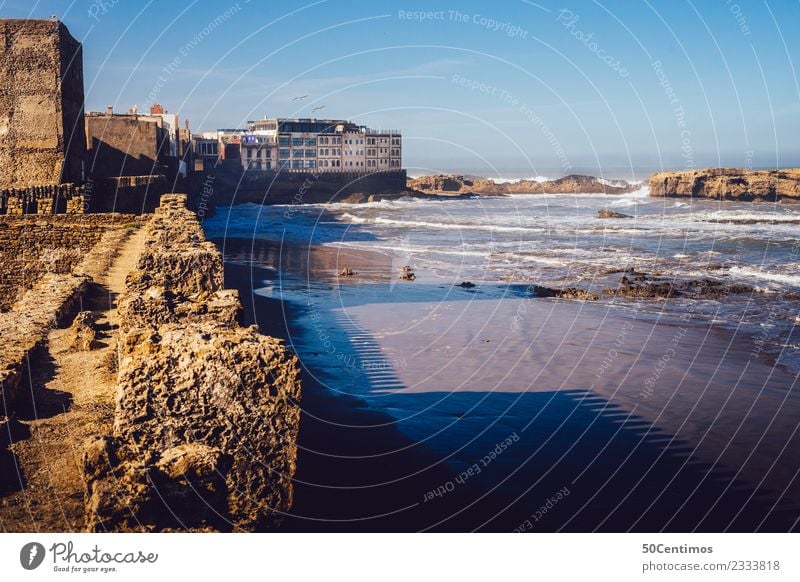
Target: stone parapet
x=207 y=411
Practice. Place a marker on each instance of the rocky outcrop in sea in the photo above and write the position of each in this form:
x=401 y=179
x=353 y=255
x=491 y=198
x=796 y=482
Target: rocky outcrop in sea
x=572 y=184
x=728 y=184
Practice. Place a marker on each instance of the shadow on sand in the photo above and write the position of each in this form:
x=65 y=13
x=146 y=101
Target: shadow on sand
x=583 y=465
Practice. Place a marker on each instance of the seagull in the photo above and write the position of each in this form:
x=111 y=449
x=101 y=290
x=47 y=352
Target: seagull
x=299 y=98
x=318 y=108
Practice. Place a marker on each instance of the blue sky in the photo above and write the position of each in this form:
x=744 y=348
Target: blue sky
x=494 y=88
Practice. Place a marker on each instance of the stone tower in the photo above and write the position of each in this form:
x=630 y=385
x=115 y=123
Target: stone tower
x=42 y=136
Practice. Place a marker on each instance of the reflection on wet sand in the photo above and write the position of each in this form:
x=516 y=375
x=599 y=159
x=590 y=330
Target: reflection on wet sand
x=411 y=386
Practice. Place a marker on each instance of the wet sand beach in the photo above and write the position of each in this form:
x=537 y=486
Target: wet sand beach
x=434 y=407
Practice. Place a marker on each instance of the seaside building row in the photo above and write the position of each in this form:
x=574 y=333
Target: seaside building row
x=307 y=145
x=58 y=158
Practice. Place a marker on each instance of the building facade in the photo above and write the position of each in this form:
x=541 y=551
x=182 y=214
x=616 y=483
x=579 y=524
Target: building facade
x=136 y=144
x=305 y=145
x=125 y=144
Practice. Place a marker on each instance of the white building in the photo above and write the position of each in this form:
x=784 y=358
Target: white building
x=318 y=145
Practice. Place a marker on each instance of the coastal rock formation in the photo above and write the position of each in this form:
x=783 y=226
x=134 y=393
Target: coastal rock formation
x=572 y=184
x=611 y=214
x=207 y=411
x=728 y=184
x=636 y=284
x=407 y=273
x=567 y=293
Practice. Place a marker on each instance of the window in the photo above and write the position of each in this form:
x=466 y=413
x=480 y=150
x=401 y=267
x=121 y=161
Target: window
x=311 y=163
x=249 y=153
x=312 y=141
x=297 y=153
x=258 y=155
x=283 y=140
x=311 y=153
x=283 y=153
x=297 y=164
x=296 y=141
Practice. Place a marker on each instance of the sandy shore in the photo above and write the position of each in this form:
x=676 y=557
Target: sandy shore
x=429 y=406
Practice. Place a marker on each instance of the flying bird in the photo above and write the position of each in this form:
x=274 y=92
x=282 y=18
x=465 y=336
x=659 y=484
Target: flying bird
x=321 y=107
x=299 y=98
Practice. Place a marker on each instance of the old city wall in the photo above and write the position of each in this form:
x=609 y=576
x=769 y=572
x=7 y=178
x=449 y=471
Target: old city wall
x=125 y=194
x=34 y=245
x=43 y=276
x=207 y=411
x=229 y=185
x=41 y=104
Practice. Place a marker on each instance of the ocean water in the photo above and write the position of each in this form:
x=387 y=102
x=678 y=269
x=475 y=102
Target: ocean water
x=558 y=241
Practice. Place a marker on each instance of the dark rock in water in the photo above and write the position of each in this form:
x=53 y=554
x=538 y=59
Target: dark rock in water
x=652 y=286
x=407 y=273
x=466 y=284
x=568 y=293
x=611 y=214
x=657 y=286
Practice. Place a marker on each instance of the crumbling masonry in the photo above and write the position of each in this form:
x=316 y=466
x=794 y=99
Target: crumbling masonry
x=207 y=411
x=42 y=136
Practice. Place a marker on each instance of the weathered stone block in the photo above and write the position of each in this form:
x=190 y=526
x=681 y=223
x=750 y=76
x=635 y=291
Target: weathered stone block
x=207 y=412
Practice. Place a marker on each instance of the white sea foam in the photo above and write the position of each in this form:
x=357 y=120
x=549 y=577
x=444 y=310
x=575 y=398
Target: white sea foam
x=391 y=222
x=739 y=216
x=791 y=279
x=538 y=179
